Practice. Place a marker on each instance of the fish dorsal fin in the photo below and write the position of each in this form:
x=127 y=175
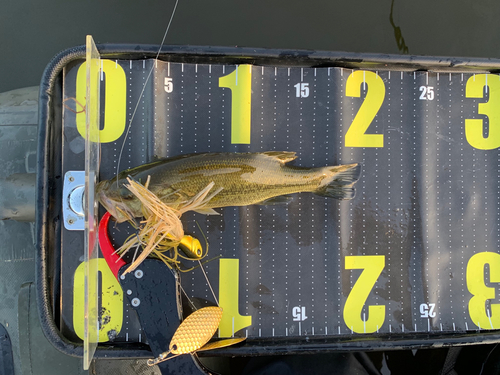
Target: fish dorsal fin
x=282 y=156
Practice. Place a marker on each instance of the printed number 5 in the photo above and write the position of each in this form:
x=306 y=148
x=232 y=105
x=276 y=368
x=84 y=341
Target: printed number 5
x=169 y=86
x=372 y=266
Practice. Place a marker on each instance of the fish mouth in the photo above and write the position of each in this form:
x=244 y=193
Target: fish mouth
x=118 y=210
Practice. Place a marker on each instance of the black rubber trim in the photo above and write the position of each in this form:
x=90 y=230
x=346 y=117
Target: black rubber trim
x=48 y=222
x=6 y=358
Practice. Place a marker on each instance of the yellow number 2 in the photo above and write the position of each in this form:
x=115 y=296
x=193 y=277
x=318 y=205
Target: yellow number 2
x=482 y=293
x=372 y=266
x=356 y=134
x=474 y=127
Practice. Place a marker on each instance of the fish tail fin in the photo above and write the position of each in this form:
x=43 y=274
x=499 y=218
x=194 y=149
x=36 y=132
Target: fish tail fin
x=340 y=184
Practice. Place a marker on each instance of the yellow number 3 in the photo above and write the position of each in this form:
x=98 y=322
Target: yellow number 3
x=482 y=293
x=474 y=127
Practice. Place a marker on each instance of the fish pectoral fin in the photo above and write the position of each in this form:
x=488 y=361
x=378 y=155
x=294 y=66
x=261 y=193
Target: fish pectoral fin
x=282 y=156
x=281 y=199
x=206 y=211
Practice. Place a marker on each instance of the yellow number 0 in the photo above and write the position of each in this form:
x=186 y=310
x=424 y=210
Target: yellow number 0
x=372 y=266
x=115 y=102
x=474 y=127
x=482 y=293
x=356 y=134
x=111 y=301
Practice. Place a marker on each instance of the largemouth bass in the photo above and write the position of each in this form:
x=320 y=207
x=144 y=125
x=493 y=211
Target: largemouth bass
x=241 y=178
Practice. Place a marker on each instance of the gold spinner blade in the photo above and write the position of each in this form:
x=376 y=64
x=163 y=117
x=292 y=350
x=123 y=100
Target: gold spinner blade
x=196 y=330
x=221 y=343
x=194 y=333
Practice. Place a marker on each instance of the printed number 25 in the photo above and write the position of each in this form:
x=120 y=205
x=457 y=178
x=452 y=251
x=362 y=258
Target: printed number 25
x=372 y=266
x=356 y=135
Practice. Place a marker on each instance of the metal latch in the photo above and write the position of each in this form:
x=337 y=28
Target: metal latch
x=73 y=200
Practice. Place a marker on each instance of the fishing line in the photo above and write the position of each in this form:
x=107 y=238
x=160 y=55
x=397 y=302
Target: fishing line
x=183 y=291
x=142 y=91
x=128 y=131
x=208 y=282
x=201 y=264
x=135 y=253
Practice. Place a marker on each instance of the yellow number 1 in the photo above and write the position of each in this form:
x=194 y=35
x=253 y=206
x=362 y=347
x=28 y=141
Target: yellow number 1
x=231 y=321
x=372 y=266
x=240 y=83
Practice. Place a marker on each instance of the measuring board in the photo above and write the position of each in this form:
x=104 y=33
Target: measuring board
x=414 y=252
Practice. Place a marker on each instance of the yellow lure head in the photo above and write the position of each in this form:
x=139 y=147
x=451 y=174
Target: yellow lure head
x=191 y=247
